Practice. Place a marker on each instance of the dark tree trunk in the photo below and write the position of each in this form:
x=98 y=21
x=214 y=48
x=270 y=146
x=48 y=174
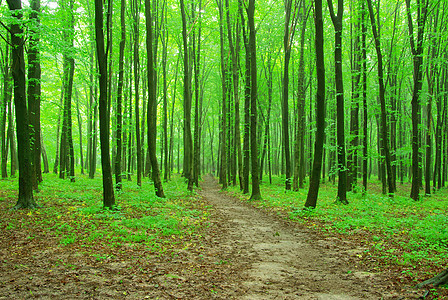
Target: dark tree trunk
x=337 y=23
x=364 y=94
x=417 y=51
x=384 y=126
x=313 y=191
x=119 y=133
x=188 y=141
x=44 y=156
x=246 y=131
x=136 y=60
x=25 y=199
x=234 y=53
x=34 y=91
x=166 y=165
x=299 y=152
x=287 y=41
x=78 y=114
x=256 y=194
x=196 y=64
x=152 y=103
x=268 y=70
x=223 y=129
x=108 y=190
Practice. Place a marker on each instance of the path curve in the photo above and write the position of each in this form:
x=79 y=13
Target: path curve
x=286 y=262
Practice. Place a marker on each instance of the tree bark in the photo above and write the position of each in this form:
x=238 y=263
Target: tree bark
x=256 y=194
x=152 y=104
x=25 y=199
x=34 y=91
x=119 y=133
x=313 y=191
x=108 y=191
x=417 y=51
x=342 y=169
x=384 y=126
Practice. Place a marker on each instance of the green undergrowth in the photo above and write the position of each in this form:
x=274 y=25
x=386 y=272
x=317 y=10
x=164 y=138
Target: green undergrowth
x=72 y=214
x=398 y=231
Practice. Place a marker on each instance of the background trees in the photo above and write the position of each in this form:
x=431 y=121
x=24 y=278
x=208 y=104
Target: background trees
x=234 y=50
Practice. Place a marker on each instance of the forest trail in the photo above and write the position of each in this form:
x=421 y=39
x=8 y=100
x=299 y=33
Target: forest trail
x=283 y=261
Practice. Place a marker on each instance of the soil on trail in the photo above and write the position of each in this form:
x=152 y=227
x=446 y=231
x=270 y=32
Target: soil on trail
x=287 y=262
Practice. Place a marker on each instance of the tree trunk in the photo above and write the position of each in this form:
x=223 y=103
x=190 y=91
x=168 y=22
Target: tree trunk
x=223 y=129
x=119 y=133
x=299 y=152
x=188 y=142
x=196 y=64
x=25 y=199
x=417 y=51
x=34 y=91
x=256 y=194
x=152 y=103
x=108 y=191
x=364 y=95
x=384 y=127
x=342 y=170
x=136 y=14
x=313 y=191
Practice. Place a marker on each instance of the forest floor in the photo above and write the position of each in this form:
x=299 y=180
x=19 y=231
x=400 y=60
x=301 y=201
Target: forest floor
x=242 y=253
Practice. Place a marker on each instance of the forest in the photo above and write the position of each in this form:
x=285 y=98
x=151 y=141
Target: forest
x=117 y=116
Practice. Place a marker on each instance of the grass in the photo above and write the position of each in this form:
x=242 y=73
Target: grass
x=411 y=236
x=72 y=213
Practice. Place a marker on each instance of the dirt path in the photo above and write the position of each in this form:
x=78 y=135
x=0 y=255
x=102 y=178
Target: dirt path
x=285 y=262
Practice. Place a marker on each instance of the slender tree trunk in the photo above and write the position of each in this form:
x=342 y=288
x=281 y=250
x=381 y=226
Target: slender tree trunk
x=384 y=127
x=417 y=51
x=313 y=191
x=166 y=165
x=196 y=64
x=223 y=139
x=256 y=194
x=152 y=104
x=118 y=165
x=364 y=95
x=287 y=41
x=342 y=170
x=188 y=142
x=108 y=191
x=78 y=114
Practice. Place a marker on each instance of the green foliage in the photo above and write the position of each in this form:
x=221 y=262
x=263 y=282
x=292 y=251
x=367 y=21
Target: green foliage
x=73 y=214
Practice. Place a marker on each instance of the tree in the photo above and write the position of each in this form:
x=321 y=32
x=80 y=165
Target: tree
x=287 y=41
x=382 y=99
x=417 y=54
x=135 y=7
x=119 y=117
x=34 y=91
x=26 y=199
x=342 y=169
x=152 y=104
x=102 y=55
x=313 y=191
x=256 y=194
x=66 y=156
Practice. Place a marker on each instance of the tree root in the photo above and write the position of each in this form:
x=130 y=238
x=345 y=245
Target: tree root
x=439 y=279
